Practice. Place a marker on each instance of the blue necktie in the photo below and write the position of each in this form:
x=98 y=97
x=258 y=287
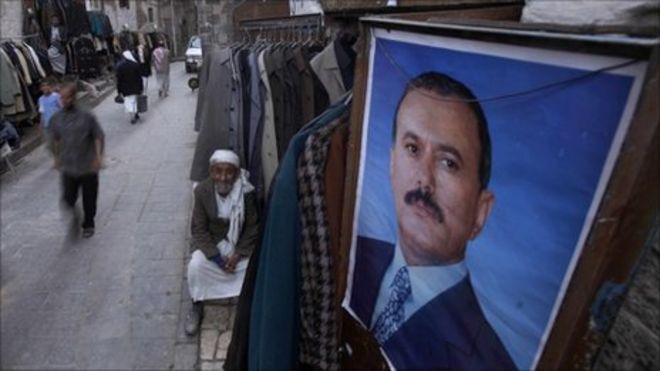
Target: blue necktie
x=393 y=315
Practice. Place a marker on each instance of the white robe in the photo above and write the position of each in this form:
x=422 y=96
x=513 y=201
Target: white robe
x=207 y=281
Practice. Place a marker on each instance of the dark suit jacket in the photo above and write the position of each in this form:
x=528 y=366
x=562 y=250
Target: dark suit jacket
x=207 y=229
x=449 y=332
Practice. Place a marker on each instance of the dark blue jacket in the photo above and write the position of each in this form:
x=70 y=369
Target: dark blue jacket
x=449 y=332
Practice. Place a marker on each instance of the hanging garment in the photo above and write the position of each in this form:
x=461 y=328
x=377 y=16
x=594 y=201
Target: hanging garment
x=236 y=128
x=269 y=155
x=57 y=60
x=346 y=62
x=86 y=58
x=10 y=89
x=255 y=127
x=246 y=101
x=276 y=79
x=99 y=24
x=203 y=77
x=275 y=316
x=313 y=97
x=76 y=18
x=335 y=174
x=214 y=107
x=319 y=322
x=36 y=60
x=18 y=60
x=292 y=82
x=29 y=62
x=327 y=69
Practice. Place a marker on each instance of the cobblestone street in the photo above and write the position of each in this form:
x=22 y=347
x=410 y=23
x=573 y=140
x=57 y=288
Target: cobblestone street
x=117 y=300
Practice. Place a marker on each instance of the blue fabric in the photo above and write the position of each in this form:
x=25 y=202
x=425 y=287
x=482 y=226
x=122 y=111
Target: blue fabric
x=217 y=259
x=48 y=105
x=275 y=315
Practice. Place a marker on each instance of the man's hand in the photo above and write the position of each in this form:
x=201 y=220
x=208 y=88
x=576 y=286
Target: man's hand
x=97 y=164
x=230 y=264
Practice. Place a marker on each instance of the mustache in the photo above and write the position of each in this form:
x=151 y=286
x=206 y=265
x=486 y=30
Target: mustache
x=427 y=200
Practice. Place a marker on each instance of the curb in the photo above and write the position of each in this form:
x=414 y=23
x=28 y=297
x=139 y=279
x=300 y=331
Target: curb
x=33 y=141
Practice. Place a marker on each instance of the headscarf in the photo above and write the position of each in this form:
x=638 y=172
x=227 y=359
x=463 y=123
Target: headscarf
x=128 y=55
x=232 y=206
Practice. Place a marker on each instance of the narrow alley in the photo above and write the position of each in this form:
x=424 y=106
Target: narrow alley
x=115 y=300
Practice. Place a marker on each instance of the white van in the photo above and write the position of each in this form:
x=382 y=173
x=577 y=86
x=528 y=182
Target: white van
x=194 y=54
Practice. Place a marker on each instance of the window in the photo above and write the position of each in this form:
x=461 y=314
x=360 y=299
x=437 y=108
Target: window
x=195 y=42
x=124 y=4
x=150 y=12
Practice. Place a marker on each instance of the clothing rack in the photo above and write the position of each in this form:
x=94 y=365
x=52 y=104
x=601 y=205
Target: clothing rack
x=23 y=37
x=295 y=24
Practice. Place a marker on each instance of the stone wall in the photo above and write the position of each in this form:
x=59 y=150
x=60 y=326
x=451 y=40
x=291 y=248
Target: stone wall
x=633 y=342
x=11 y=18
x=120 y=16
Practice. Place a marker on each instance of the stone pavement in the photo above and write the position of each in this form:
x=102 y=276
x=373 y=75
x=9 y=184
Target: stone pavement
x=117 y=300
x=215 y=333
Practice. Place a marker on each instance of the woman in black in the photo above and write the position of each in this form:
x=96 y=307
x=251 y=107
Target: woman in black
x=129 y=83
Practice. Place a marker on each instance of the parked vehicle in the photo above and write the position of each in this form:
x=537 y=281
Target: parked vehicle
x=194 y=54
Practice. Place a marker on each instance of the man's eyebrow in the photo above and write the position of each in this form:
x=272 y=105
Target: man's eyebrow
x=443 y=147
x=410 y=135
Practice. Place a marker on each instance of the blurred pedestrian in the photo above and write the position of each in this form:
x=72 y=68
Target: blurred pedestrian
x=78 y=142
x=129 y=83
x=49 y=103
x=161 y=63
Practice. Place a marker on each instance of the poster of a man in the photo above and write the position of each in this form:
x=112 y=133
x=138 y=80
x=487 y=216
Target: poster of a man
x=442 y=275
x=439 y=168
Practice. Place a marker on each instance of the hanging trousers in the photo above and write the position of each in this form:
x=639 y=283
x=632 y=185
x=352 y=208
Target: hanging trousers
x=90 y=189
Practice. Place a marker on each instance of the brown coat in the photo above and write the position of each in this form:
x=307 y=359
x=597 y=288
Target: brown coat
x=207 y=229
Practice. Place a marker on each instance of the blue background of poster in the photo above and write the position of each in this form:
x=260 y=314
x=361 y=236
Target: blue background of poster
x=549 y=149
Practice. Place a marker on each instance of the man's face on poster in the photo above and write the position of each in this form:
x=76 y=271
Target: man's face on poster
x=434 y=169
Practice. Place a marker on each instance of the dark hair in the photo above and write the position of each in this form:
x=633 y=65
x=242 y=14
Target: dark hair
x=445 y=86
x=68 y=84
x=49 y=80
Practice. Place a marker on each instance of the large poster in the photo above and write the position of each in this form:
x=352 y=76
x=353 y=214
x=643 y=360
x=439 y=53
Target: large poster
x=482 y=166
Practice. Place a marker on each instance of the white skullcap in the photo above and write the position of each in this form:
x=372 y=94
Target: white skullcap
x=225 y=155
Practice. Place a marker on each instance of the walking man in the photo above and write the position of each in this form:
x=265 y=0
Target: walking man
x=161 y=62
x=78 y=142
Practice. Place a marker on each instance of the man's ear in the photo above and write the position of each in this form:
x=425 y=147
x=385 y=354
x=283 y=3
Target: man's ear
x=484 y=206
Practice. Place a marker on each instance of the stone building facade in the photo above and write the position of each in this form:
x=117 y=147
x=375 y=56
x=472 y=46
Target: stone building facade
x=11 y=19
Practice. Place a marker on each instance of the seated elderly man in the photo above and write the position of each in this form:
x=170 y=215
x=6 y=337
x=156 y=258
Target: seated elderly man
x=225 y=229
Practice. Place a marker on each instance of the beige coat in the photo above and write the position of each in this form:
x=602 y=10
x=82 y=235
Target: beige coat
x=326 y=68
